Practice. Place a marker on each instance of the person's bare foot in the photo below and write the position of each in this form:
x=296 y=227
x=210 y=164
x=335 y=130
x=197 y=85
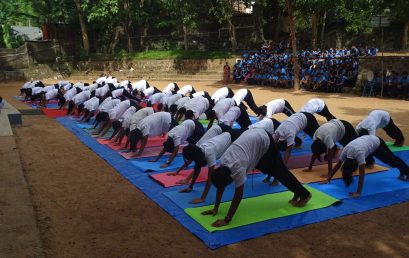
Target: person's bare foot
x=275 y=183
x=266 y=180
x=303 y=202
x=294 y=200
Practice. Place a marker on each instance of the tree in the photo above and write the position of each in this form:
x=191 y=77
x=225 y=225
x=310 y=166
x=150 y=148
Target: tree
x=399 y=12
x=296 y=67
x=223 y=10
x=83 y=25
x=10 y=14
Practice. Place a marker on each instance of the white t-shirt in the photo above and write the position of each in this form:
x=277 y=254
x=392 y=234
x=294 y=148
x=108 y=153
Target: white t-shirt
x=127 y=116
x=244 y=154
x=148 y=92
x=376 y=119
x=197 y=94
x=28 y=85
x=214 y=148
x=198 y=105
x=117 y=93
x=330 y=132
x=139 y=115
x=222 y=106
x=47 y=88
x=274 y=107
x=231 y=116
x=240 y=95
x=51 y=94
x=100 y=80
x=111 y=79
x=63 y=83
x=124 y=83
x=81 y=97
x=182 y=101
x=169 y=100
x=79 y=85
x=214 y=131
x=155 y=124
x=360 y=148
x=67 y=86
x=157 y=98
x=91 y=104
x=91 y=87
x=169 y=88
x=36 y=90
x=105 y=107
x=289 y=128
x=185 y=90
x=119 y=109
x=220 y=94
x=102 y=91
x=180 y=133
x=70 y=94
x=313 y=106
x=266 y=124
x=140 y=85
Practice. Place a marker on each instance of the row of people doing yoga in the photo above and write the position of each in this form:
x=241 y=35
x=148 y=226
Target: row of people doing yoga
x=238 y=150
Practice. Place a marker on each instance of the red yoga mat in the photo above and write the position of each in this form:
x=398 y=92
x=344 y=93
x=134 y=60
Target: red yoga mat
x=147 y=152
x=53 y=113
x=104 y=141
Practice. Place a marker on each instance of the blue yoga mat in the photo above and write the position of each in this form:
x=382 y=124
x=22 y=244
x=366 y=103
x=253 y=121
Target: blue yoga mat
x=253 y=187
x=47 y=106
x=144 y=165
x=374 y=183
x=221 y=238
x=84 y=125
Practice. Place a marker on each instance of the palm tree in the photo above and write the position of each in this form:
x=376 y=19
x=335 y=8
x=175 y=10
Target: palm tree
x=9 y=14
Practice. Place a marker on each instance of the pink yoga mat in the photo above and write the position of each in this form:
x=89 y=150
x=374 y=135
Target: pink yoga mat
x=304 y=161
x=147 y=152
x=169 y=181
x=117 y=147
x=104 y=141
x=155 y=141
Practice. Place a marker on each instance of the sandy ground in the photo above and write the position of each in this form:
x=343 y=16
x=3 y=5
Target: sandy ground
x=85 y=209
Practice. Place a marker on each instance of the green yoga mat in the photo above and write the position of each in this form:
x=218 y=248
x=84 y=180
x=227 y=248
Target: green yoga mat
x=260 y=208
x=393 y=148
x=204 y=121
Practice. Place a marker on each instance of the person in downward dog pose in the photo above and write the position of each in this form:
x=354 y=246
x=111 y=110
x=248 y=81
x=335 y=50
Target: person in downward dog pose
x=317 y=106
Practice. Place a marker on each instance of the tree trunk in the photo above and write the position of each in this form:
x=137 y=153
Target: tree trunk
x=324 y=19
x=232 y=35
x=185 y=40
x=278 y=24
x=128 y=26
x=314 y=30
x=293 y=44
x=6 y=35
x=144 y=33
x=258 y=22
x=405 y=36
x=118 y=30
x=84 y=30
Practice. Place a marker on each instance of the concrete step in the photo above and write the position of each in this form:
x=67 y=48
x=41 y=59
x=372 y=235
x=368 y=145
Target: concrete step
x=5 y=128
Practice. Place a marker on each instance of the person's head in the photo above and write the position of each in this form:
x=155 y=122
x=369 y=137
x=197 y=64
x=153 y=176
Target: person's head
x=348 y=168
x=282 y=145
x=173 y=108
x=318 y=147
x=169 y=145
x=116 y=125
x=262 y=110
x=182 y=111
x=221 y=177
x=160 y=107
x=362 y=132
x=80 y=108
x=92 y=94
x=210 y=114
x=189 y=114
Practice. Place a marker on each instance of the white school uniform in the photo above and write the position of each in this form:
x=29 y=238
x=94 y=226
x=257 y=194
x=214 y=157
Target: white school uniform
x=244 y=154
x=214 y=148
x=79 y=85
x=139 y=85
x=231 y=116
x=198 y=105
x=139 y=115
x=47 y=88
x=157 y=98
x=127 y=116
x=81 y=97
x=360 y=148
x=185 y=90
x=67 y=87
x=169 y=88
x=197 y=94
x=100 y=80
x=117 y=93
x=169 y=100
x=182 y=101
x=51 y=94
x=91 y=87
x=180 y=133
x=376 y=119
x=36 y=90
x=105 y=107
x=155 y=124
x=240 y=95
x=288 y=129
x=266 y=124
x=274 y=107
x=330 y=132
x=124 y=83
x=222 y=106
x=70 y=94
x=111 y=79
x=28 y=85
x=214 y=131
x=103 y=102
x=313 y=106
x=63 y=83
x=148 y=92
x=91 y=104
x=102 y=91
x=119 y=110
x=220 y=94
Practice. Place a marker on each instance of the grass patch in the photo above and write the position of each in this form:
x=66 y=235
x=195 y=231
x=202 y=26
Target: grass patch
x=167 y=54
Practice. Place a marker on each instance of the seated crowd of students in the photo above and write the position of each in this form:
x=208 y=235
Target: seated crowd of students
x=395 y=84
x=138 y=111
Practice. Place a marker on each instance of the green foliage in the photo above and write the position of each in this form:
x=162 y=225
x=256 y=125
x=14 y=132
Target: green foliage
x=357 y=14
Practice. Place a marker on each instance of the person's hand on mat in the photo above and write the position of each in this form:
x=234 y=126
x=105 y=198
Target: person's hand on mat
x=354 y=194
x=307 y=170
x=172 y=174
x=196 y=201
x=164 y=165
x=186 y=190
x=220 y=223
x=212 y=212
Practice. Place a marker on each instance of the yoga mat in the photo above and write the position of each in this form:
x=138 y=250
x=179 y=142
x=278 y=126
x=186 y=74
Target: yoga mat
x=253 y=187
x=261 y=208
x=103 y=141
x=393 y=148
x=374 y=183
x=115 y=147
x=317 y=171
x=155 y=141
x=303 y=161
x=145 y=166
x=85 y=125
x=54 y=113
x=147 y=152
x=49 y=105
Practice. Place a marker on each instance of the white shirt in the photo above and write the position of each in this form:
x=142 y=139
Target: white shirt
x=51 y=94
x=231 y=116
x=111 y=79
x=180 y=133
x=330 y=132
x=274 y=107
x=220 y=94
x=240 y=95
x=169 y=88
x=105 y=107
x=376 y=119
x=91 y=87
x=28 y=85
x=81 y=97
x=139 y=115
x=289 y=128
x=244 y=154
x=124 y=83
x=155 y=124
x=185 y=90
x=313 y=106
x=266 y=124
x=197 y=94
x=119 y=109
x=36 y=90
x=157 y=98
x=91 y=104
x=100 y=80
x=127 y=116
x=360 y=148
x=148 y=92
x=198 y=105
x=214 y=148
x=214 y=131
x=140 y=85
x=79 y=85
x=117 y=93
x=222 y=106
x=182 y=101
x=47 y=88
x=102 y=91
x=67 y=86
x=169 y=100
x=63 y=83
x=70 y=94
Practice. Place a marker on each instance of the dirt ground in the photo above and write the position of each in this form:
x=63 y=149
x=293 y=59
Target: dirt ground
x=84 y=208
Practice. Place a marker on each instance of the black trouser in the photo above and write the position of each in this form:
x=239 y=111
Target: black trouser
x=129 y=95
x=272 y=164
x=384 y=154
x=230 y=93
x=325 y=113
x=250 y=102
x=393 y=131
x=197 y=133
x=312 y=124
x=243 y=120
x=134 y=137
x=350 y=133
x=288 y=109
